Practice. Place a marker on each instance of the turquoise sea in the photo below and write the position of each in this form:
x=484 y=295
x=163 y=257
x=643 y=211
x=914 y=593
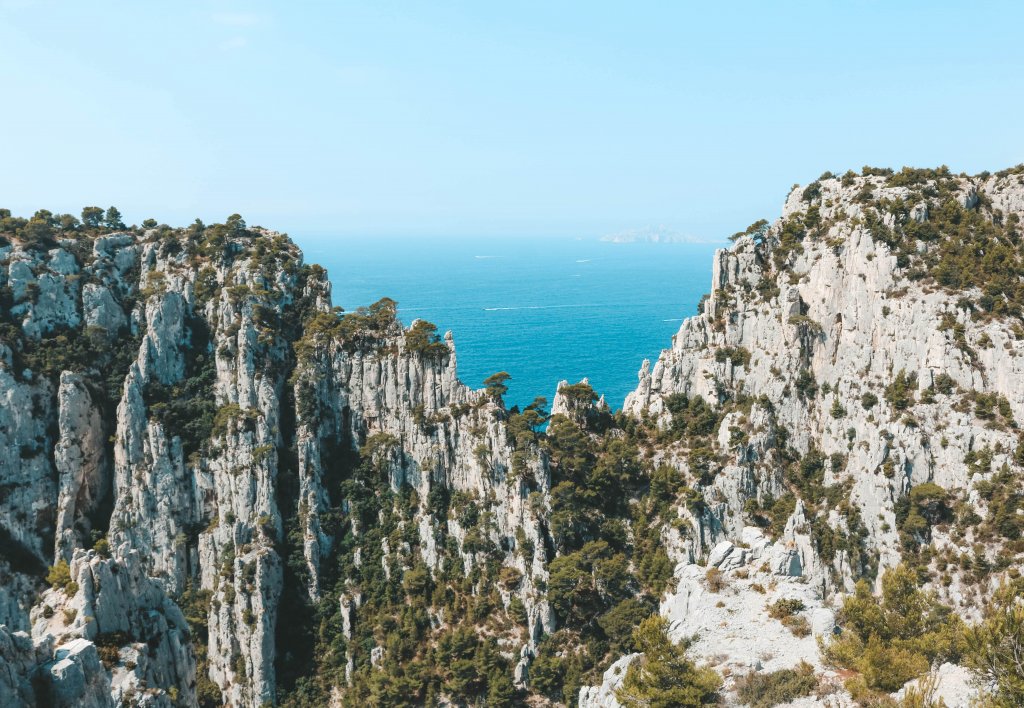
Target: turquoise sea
x=542 y=309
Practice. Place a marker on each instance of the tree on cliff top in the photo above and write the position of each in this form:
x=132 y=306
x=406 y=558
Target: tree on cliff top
x=495 y=384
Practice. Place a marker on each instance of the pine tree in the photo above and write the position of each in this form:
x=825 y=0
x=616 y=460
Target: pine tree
x=664 y=677
x=113 y=219
x=92 y=217
x=500 y=692
x=995 y=648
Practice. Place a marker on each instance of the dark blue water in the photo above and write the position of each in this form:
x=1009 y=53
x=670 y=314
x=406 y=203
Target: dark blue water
x=541 y=309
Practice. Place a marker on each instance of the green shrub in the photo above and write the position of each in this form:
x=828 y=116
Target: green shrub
x=619 y=622
x=806 y=386
x=579 y=394
x=422 y=338
x=494 y=385
x=926 y=505
x=900 y=393
x=995 y=647
x=895 y=638
x=759 y=690
x=757 y=230
x=692 y=418
x=715 y=580
x=59 y=578
x=811 y=192
x=102 y=547
x=109 y=644
x=663 y=675
x=785 y=607
x=1005 y=503
x=798 y=625
x=739 y=356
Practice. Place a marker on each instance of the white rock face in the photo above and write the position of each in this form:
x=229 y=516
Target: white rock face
x=43 y=296
x=161 y=499
x=603 y=696
x=845 y=318
x=851 y=319
x=17 y=595
x=954 y=685
x=26 y=473
x=444 y=436
x=80 y=459
x=18 y=659
x=101 y=309
x=204 y=514
x=77 y=677
x=145 y=640
x=734 y=629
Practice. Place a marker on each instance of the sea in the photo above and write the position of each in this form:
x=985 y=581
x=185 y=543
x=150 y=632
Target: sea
x=542 y=309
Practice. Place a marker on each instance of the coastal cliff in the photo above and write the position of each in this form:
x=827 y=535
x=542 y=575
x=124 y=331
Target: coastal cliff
x=216 y=489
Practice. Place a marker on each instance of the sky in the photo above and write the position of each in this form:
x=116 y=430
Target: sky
x=491 y=119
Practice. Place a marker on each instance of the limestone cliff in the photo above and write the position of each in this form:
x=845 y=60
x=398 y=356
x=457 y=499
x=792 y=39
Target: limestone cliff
x=856 y=350
x=866 y=329
x=184 y=397
x=216 y=489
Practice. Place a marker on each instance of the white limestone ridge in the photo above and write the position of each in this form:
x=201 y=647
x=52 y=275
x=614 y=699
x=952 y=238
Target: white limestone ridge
x=188 y=483
x=842 y=308
x=849 y=315
x=209 y=519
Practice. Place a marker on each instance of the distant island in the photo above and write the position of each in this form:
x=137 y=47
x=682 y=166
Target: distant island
x=651 y=234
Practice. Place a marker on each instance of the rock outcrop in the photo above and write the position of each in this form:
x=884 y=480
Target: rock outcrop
x=110 y=637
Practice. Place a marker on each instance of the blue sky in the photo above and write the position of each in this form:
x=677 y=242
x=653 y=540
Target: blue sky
x=572 y=118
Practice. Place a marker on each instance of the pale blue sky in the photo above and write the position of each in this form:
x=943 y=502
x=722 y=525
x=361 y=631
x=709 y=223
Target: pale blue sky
x=573 y=118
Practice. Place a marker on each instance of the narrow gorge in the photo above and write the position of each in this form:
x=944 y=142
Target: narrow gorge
x=218 y=489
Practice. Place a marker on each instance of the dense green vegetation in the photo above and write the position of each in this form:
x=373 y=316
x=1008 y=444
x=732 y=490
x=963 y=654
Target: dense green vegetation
x=607 y=568
x=420 y=661
x=663 y=677
x=42 y=230
x=422 y=337
x=87 y=350
x=894 y=639
x=1005 y=500
x=906 y=632
x=995 y=647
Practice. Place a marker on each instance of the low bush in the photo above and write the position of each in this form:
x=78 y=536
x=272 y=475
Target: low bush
x=715 y=580
x=759 y=690
x=797 y=625
x=59 y=578
x=785 y=607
